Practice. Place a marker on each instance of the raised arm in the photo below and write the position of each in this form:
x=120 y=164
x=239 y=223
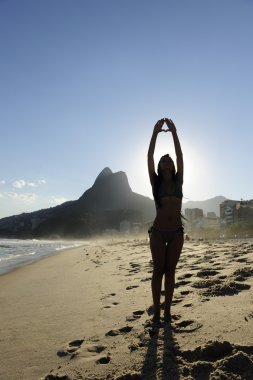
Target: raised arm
x=178 y=150
x=151 y=149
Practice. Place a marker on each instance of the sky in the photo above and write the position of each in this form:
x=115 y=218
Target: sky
x=83 y=82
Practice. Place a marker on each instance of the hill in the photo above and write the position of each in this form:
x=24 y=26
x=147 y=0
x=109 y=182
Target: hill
x=209 y=205
x=103 y=206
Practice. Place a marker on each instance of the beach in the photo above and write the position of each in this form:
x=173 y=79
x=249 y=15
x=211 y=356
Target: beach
x=85 y=313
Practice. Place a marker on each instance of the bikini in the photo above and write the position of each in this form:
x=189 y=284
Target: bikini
x=169 y=236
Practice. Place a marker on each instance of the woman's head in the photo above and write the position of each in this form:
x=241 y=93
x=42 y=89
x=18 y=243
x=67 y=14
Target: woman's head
x=166 y=165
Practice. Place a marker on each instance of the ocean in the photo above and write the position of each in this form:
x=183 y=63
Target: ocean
x=15 y=252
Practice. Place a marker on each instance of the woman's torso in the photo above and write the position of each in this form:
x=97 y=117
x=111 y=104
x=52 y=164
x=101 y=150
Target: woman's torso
x=168 y=211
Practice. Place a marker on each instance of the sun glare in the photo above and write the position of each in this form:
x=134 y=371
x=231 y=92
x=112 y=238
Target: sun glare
x=197 y=174
x=197 y=170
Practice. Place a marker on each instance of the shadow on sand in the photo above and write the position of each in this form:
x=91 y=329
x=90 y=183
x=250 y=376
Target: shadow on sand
x=161 y=356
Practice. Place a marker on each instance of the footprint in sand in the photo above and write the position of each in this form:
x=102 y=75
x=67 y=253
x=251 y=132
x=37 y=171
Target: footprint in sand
x=250 y=316
x=182 y=283
x=71 y=348
x=194 y=267
x=108 y=295
x=123 y=330
x=132 y=272
x=146 y=279
x=217 y=265
x=132 y=287
x=207 y=273
x=136 y=315
x=185 y=292
x=244 y=260
x=222 y=277
x=243 y=273
x=188 y=325
x=186 y=275
x=135 y=265
x=115 y=303
x=104 y=360
x=89 y=350
x=175 y=301
x=97 y=349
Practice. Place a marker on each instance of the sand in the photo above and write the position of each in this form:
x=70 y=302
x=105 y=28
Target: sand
x=85 y=313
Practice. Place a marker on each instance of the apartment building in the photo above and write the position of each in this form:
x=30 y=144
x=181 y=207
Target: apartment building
x=236 y=212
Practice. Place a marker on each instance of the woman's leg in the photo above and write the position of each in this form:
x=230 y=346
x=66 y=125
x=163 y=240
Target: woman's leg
x=174 y=249
x=158 y=251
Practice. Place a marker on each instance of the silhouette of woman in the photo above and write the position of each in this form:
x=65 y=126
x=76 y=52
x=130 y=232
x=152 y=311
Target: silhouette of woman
x=167 y=233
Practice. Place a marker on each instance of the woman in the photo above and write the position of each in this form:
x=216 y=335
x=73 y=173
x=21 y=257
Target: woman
x=166 y=234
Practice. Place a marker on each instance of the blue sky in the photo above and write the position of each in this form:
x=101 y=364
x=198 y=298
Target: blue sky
x=83 y=83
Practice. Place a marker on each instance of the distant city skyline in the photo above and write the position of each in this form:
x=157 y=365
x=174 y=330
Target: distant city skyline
x=83 y=83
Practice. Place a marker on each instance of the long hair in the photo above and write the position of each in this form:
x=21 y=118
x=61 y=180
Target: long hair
x=158 y=180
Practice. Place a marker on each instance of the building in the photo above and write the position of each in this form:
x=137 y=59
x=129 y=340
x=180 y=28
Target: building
x=211 y=215
x=236 y=212
x=193 y=214
x=243 y=212
x=211 y=221
x=227 y=212
x=194 y=217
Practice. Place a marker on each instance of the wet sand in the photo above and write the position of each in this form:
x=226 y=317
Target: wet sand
x=85 y=314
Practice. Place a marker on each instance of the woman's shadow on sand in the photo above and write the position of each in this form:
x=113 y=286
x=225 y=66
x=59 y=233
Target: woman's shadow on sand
x=161 y=355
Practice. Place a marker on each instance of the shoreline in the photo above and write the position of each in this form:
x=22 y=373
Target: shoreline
x=28 y=258
x=37 y=305
x=105 y=241
x=68 y=313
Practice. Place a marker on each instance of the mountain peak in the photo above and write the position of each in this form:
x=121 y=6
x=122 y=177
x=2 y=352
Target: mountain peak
x=104 y=173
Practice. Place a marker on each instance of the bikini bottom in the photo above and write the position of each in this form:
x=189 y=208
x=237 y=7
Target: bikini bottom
x=168 y=236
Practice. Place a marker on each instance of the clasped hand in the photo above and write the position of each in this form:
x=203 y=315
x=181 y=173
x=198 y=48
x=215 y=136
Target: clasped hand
x=168 y=122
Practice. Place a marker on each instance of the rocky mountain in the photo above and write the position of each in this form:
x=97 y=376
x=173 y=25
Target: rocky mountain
x=103 y=206
x=209 y=205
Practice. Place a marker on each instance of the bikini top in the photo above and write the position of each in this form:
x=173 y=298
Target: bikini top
x=177 y=192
